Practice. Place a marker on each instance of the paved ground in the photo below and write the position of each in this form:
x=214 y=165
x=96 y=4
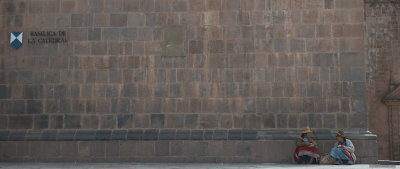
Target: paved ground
x=178 y=166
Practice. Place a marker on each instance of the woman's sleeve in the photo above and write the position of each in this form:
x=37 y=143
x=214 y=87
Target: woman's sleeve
x=300 y=143
x=335 y=145
x=350 y=147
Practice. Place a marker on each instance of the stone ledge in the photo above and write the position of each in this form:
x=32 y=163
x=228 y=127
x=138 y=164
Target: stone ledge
x=388 y=162
x=199 y=151
x=171 y=134
x=381 y=1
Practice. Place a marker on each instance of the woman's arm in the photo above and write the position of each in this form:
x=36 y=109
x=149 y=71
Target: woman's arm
x=301 y=143
x=350 y=147
x=312 y=141
x=336 y=144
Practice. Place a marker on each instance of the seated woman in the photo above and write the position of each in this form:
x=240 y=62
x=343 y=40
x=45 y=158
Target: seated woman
x=306 y=149
x=343 y=150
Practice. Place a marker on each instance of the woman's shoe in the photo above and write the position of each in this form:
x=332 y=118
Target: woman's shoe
x=338 y=162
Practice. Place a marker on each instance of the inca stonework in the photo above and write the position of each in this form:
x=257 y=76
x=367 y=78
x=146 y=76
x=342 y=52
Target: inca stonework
x=183 y=80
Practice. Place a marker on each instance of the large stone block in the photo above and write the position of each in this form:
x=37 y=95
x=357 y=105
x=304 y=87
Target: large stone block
x=191 y=120
x=4 y=122
x=125 y=121
x=108 y=122
x=72 y=121
x=280 y=45
x=118 y=20
x=305 y=31
x=174 y=121
x=325 y=59
x=297 y=46
x=208 y=121
x=173 y=40
x=20 y=122
x=80 y=20
x=213 y=4
x=96 y=5
x=196 y=47
x=41 y=122
x=353 y=74
x=90 y=122
x=5 y=92
x=348 y=4
x=352 y=59
x=157 y=120
x=99 y=48
x=111 y=33
x=136 y=19
x=100 y=19
x=56 y=122
x=310 y=16
x=355 y=89
x=228 y=18
x=180 y=5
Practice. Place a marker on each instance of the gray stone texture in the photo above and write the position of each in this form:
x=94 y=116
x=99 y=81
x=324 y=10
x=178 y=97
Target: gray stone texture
x=211 y=151
x=200 y=67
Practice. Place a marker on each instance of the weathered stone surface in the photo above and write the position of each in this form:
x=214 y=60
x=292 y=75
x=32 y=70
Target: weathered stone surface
x=118 y=20
x=157 y=120
x=179 y=148
x=41 y=122
x=72 y=121
x=20 y=122
x=90 y=122
x=173 y=40
x=149 y=70
x=125 y=121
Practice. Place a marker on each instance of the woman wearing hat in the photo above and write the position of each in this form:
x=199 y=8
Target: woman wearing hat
x=343 y=151
x=306 y=149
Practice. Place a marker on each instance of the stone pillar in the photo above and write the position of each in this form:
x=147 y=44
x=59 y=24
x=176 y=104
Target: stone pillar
x=382 y=47
x=394 y=129
x=392 y=101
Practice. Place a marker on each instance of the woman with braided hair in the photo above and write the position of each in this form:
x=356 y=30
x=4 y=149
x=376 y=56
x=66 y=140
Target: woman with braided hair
x=343 y=150
x=306 y=148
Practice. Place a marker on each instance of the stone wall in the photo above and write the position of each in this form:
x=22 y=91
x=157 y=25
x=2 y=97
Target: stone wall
x=184 y=65
x=163 y=151
x=382 y=45
x=168 y=145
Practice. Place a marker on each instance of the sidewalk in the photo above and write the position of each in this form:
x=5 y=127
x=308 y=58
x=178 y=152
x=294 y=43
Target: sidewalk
x=180 y=166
